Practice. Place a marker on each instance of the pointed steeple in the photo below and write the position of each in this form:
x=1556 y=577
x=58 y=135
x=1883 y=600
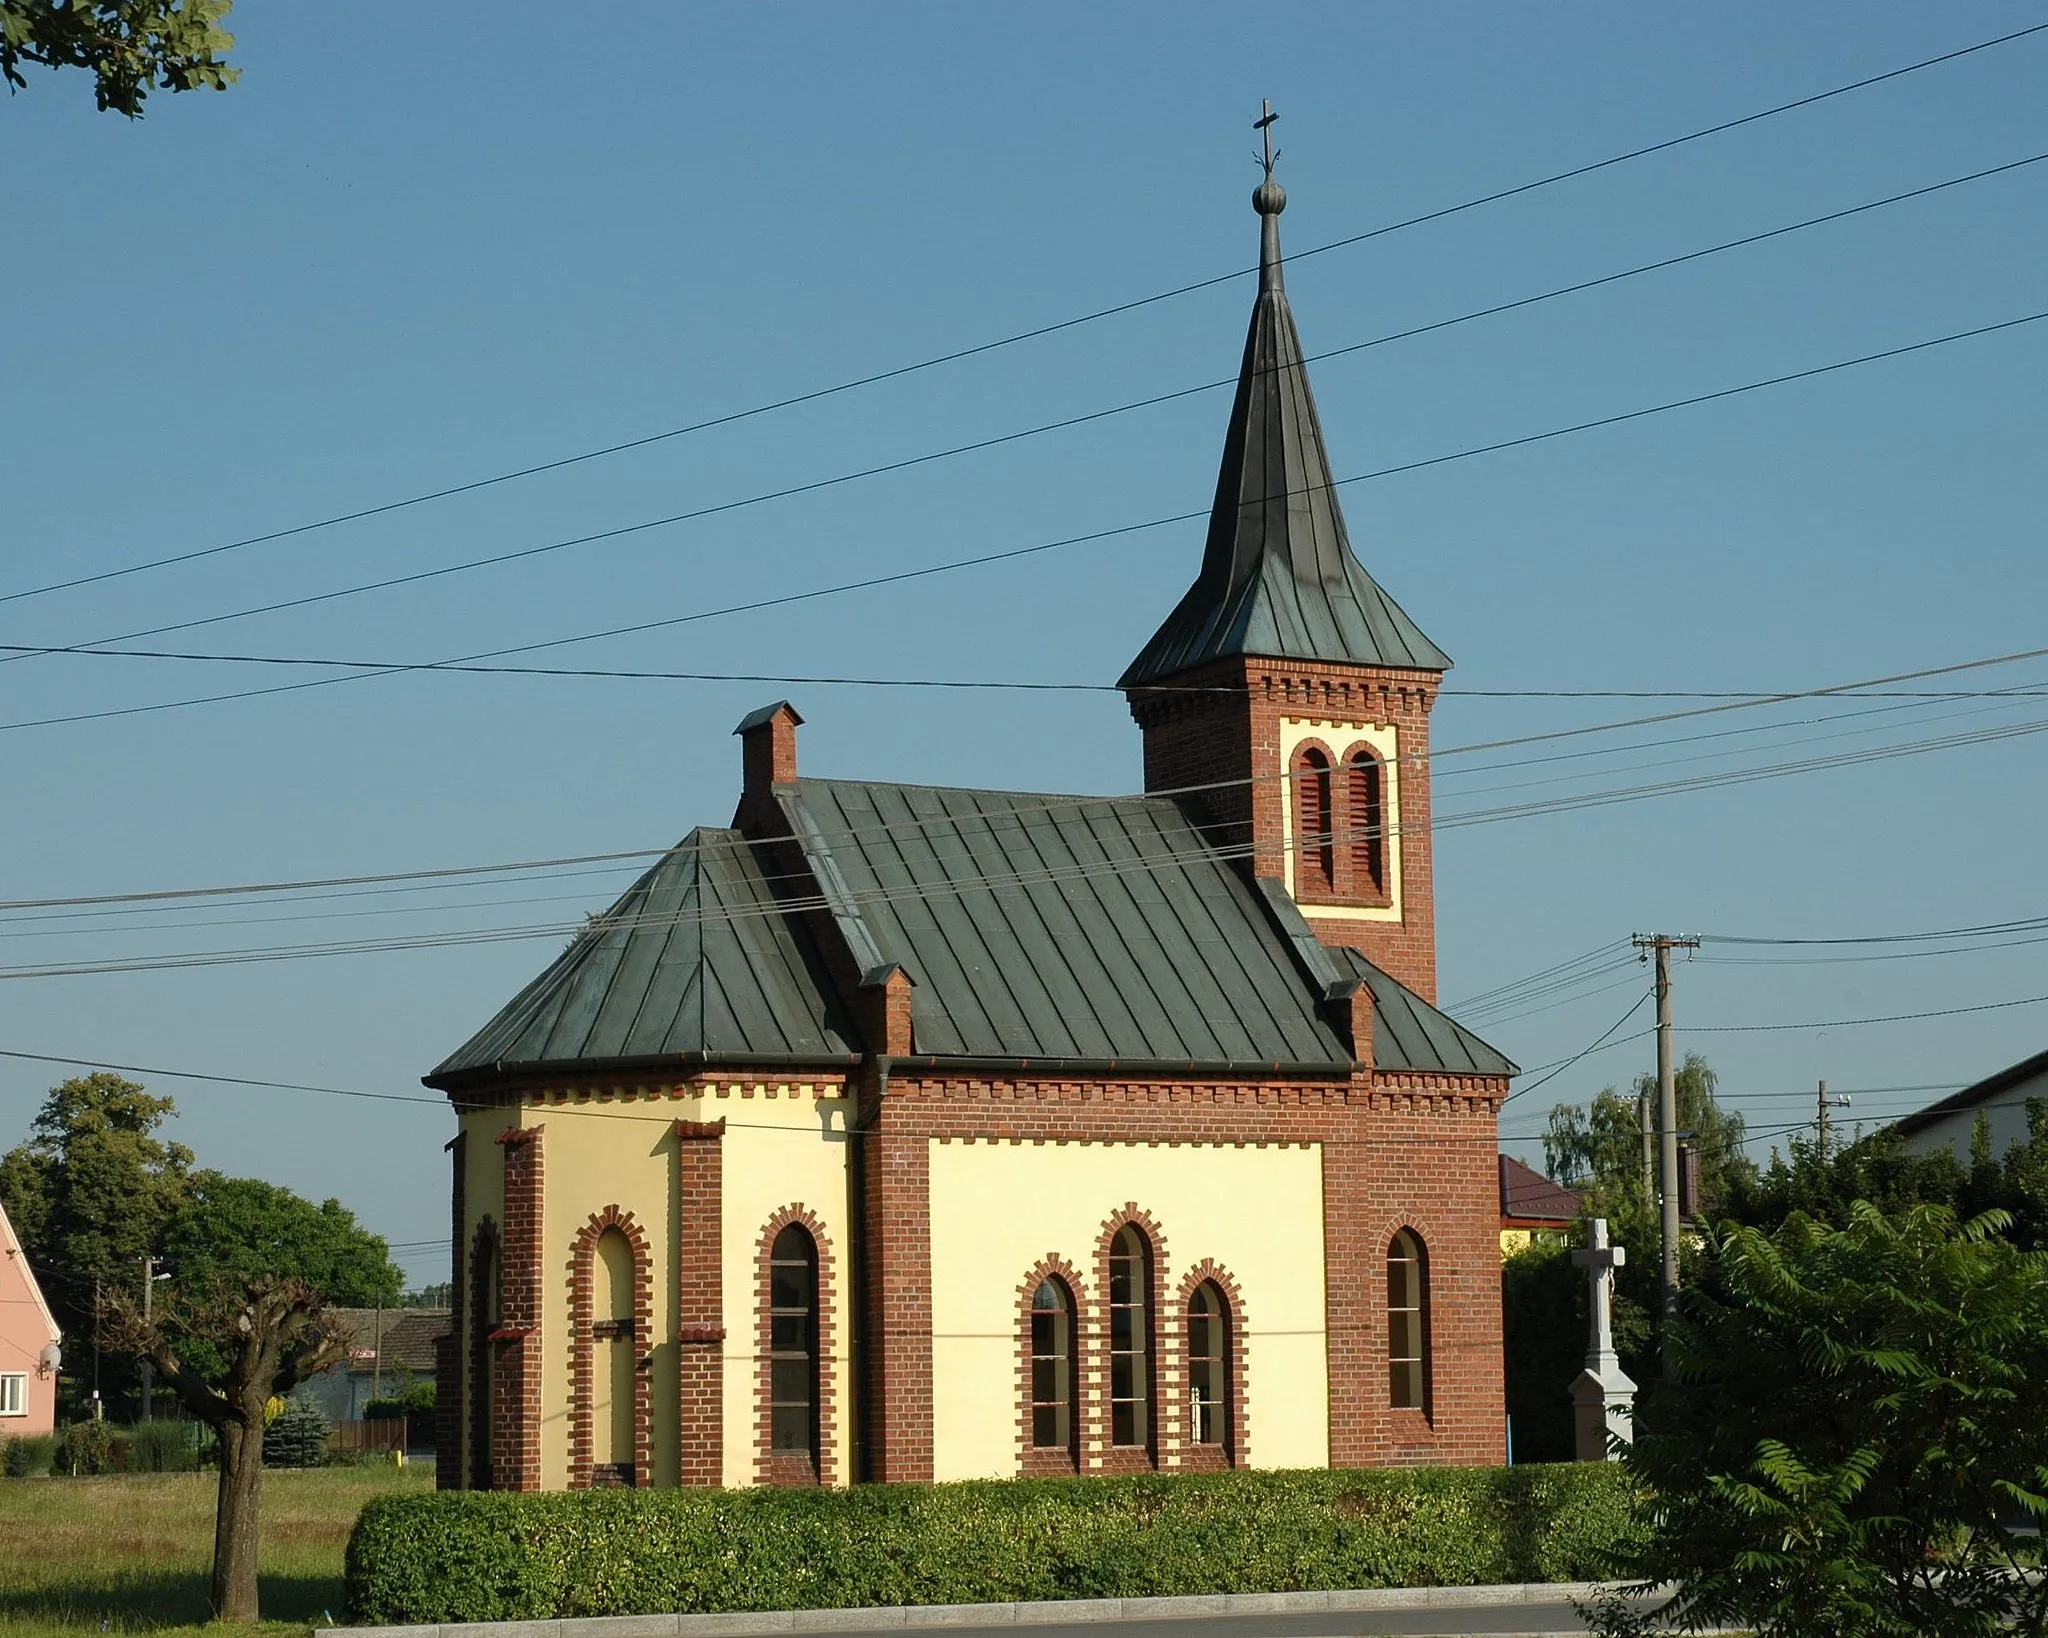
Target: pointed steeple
x=1278 y=577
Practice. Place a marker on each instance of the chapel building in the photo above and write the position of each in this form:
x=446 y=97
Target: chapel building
x=906 y=1133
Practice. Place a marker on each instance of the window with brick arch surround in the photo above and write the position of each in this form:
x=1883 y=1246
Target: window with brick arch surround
x=616 y=1349
x=1366 y=786
x=1130 y=1339
x=1208 y=1366
x=1055 y=1370
x=1407 y=1323
x=1315 y=856
x=793 y=1343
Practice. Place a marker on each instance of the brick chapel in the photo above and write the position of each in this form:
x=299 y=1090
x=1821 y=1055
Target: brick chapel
x=907 y=1133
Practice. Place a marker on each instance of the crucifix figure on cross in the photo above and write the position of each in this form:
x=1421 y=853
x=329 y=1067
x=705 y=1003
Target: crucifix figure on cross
x=1603 y=1396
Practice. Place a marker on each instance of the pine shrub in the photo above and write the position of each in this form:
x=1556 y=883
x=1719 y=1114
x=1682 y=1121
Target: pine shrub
x=298 y=1438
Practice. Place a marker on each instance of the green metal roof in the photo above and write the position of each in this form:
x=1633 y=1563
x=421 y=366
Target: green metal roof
x=1278 y=577
x=695 y=958
x=1031 y=926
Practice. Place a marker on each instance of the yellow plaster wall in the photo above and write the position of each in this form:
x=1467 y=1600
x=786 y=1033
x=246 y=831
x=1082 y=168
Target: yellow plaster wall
x=998 y=1208
x=784 y=1145
x=599 y=1153
x=1339 y=737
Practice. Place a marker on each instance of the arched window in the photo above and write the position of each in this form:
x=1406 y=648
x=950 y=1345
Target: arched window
x=1054 y=1374
x=1368 y=823
x=1208 y=1366
x=616 y=1350
x=1130 y=1338
x=793 y=1343
x=1315 y=856
x=1407 y=1322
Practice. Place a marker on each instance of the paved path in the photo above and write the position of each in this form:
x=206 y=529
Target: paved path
x=1495 y=1619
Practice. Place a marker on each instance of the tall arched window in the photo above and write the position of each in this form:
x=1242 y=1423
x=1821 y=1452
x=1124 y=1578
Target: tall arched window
x=1367 y=821
x=793 y=1343
x=1130 y=1338
x=1054 y=1372
x=1407 y=1322
x=616 y=1353
x=1208 y=1366
x=1314 y=856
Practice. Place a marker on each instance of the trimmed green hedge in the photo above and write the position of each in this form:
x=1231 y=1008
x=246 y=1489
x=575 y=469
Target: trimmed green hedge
x=459 y=1556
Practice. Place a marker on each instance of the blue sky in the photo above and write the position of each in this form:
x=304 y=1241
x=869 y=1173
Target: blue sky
x=382 y=264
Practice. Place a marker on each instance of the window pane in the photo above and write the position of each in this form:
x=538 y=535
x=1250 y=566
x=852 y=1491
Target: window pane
x=1047 y=1296
x=1407 y=1384
x=792 y=1427
x=790 y=1381
x=1200 y=1343
x=1045 y=1381
x=1404 y=1334
x=1119 y=1280
x=1123 y=1325
x=789 y=1287
x=1046 y=1429
x=1123 y=1376
x=1123 y=1422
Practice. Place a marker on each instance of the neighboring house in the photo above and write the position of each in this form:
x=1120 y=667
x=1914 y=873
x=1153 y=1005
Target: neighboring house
x=29 y=1341
x=908 y=1133
x=2001 y=1099
x=1532 y=1207
x=385 y=1349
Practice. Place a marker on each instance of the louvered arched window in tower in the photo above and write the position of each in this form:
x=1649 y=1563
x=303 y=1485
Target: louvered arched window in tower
x=1366 y=820
x=1315 y=857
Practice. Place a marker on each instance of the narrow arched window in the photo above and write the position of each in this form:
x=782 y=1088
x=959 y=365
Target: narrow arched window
x=793 y=1343
x=1407 y=1322
x=1368 y=823
x=1130 y=1338
x=614 y=1346
x=1054 y=1377
x=486 y=1315
x=1315 y=845
x=1209 y=1366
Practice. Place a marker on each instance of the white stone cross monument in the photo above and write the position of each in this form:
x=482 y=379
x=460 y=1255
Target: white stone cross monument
x=1603 y=1398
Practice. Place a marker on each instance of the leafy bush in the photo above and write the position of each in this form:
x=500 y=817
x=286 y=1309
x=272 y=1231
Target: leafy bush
x=1856 y=1445
x=28 y=1458
x=465 y=1556
x=159 y=1447
x=298 y=1437
x=86 y=1449
x=416 y=1399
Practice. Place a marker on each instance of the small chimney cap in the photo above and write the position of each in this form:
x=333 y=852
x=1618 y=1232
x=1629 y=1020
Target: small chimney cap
x=766 y=714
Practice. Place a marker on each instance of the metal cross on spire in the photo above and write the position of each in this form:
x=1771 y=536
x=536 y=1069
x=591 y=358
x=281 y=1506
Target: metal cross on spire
x=1264 y=126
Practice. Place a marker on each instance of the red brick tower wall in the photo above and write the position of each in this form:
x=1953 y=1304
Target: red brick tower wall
x=1215 y=733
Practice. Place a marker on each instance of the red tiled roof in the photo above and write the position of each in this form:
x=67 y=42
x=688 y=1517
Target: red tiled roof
x=1527 y=1196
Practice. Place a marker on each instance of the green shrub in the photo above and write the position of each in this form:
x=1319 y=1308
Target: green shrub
x=416 y=1399
x=86 y=1449
x=457 y=1556
x=28 y=1458
x=298 y=1438
x=159 y=1447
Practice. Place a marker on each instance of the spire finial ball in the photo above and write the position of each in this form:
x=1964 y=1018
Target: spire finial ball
x=1269 y=198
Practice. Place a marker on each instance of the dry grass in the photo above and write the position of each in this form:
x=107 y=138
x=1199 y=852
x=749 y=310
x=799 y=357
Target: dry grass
x=132 y=1554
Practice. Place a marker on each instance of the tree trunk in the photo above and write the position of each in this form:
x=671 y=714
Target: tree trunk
x=235 y=1525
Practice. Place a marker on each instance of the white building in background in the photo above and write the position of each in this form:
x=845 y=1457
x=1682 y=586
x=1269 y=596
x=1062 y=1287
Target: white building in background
x=2000 y=1098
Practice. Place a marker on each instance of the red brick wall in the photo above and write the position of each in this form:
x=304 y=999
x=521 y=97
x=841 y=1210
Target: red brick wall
x=1220 y=727
x=485 y=1283
x=451 y=1380
x=1398 y=1150
x=516 y=1365
x=700 y=1300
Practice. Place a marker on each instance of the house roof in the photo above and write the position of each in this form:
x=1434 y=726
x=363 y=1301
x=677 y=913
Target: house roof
x=693 y=959
x=1278 y=576
x=1971 y=1096
x=407 y=1335
x=17 y=1258
x=1084 y=929
x=1527 y=1196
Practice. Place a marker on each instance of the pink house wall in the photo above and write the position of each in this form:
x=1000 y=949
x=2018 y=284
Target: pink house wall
x=27 y=1333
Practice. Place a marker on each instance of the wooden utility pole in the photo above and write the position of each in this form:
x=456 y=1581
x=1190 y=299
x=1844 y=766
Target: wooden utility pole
x=148 y=1375
x=1649 y=1147
x=1662 y=944
x=1822 y=1104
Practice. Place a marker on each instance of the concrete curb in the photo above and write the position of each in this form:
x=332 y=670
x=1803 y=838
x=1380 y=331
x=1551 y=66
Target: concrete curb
x=1054 y=1612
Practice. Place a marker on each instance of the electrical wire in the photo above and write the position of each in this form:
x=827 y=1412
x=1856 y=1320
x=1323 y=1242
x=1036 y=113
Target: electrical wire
x=673 y=621
x=955 y=356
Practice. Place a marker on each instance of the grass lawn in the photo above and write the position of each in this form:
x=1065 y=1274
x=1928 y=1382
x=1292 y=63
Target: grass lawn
x=133 y=1554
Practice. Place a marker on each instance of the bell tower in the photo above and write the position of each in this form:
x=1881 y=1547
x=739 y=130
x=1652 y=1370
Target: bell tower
x=1285 y=701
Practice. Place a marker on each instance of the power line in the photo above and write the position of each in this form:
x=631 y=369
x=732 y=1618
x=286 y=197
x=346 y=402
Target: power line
x=1028 y=551
x=20 y=652
x=1600 y=1042
x=1035 y=333
x=1884 y=1018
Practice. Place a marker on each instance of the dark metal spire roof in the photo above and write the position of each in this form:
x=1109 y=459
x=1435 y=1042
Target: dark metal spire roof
x=1278 y=577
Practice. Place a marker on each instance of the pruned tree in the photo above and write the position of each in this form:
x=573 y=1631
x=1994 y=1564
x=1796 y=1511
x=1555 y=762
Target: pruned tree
x=228 y=1350
x=131 y=46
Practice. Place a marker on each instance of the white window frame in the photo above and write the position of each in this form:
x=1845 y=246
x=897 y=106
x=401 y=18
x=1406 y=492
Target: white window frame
x=14 y=1393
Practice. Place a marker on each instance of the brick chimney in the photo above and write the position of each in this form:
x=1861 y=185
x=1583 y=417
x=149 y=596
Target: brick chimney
x=767 y=759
